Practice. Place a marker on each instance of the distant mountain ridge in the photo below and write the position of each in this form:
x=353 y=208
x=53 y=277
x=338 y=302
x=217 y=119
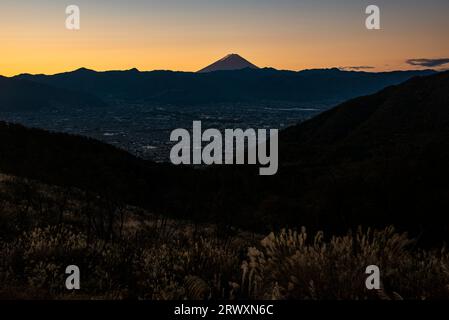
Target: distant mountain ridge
x=25 y=95
x=251 y=86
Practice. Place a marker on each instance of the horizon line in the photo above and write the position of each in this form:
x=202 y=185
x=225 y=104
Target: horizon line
x=343 y=69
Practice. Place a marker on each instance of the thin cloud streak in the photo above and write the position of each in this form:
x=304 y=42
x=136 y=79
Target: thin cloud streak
x=428 y=62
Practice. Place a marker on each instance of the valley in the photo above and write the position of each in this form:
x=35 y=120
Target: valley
x=144 y=130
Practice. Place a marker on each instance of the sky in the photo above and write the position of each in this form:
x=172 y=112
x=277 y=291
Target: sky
x=187 y=35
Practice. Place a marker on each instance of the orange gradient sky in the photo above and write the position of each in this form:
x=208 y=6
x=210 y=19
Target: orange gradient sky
x=190 y=34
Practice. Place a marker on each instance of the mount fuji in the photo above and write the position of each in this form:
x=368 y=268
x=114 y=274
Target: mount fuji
x=230 y=62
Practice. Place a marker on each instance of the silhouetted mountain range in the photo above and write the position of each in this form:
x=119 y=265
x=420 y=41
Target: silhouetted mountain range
x=256 y=86
x=25 y=95
x=375 y=160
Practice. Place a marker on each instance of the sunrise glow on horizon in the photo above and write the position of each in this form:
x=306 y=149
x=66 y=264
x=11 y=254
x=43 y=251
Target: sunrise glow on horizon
x=188 y=35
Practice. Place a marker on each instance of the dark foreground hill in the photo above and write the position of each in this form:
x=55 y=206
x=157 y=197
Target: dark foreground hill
x=22 y=95
x=72 y=161
x=376 y=160
x=257 y=86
